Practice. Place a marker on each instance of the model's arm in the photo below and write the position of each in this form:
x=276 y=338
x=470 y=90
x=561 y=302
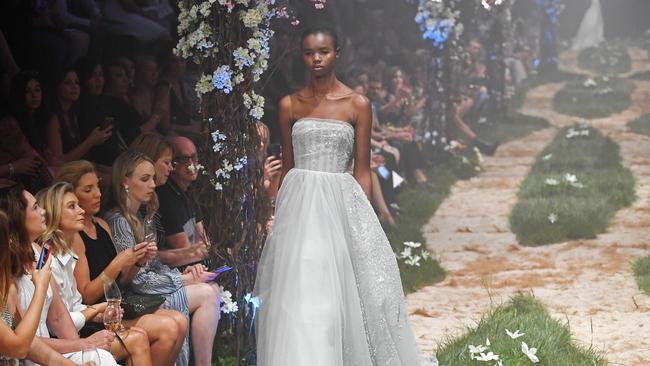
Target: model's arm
x=362 y=129
x=284 y=119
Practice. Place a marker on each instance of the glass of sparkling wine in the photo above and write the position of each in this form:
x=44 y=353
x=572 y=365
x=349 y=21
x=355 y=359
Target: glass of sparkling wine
x=113 y=317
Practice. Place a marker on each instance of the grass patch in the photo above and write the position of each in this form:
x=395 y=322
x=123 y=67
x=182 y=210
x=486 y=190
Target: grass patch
x=419 y=203
x=536 y=80
x=565 y=207
x=526 y=314
x=607 y=59
x=642 y=75
x=641 y=270
x=510 y=128
x=641 y=125
x=581 y=98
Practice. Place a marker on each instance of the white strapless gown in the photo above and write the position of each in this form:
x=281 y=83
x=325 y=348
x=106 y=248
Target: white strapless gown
x=328 y=280
x=591 y=31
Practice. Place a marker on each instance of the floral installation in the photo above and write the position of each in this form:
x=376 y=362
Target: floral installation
x=438 y=21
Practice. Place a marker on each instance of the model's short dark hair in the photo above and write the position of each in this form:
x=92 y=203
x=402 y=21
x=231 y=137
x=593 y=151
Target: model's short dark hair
x=325 y=29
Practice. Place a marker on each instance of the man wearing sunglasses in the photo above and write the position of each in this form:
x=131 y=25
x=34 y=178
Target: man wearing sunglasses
x=181 y=215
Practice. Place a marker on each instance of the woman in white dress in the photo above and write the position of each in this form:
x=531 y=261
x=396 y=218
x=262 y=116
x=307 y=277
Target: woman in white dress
x=591 y=32
x=328 y=280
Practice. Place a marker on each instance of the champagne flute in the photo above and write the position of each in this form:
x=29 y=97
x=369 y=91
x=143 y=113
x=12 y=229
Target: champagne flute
x=113 y=317
x=149 y=234
x=90 y=356
x=112 y=293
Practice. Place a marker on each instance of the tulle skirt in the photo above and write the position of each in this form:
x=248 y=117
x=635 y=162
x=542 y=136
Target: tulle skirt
x=328 y=280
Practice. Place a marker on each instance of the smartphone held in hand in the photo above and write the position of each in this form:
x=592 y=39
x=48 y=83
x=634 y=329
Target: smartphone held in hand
x=45 y=254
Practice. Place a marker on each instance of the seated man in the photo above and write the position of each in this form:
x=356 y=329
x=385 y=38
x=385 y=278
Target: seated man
x=181 y=215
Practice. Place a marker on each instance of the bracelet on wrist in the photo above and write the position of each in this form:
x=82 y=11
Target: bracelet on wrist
x=104 y=278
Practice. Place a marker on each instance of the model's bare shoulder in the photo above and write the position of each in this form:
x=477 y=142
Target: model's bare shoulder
x=360 y=102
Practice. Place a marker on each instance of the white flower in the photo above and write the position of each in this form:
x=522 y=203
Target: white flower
x=412 y=244
x=425 y=254
x=487 y=342
x=530 y=352
x=477 y=349
x=588 y=83
x=413 y=261
x=487 y=357
x=218 y=186
x=514 y=335
x=251 y=18
x=547 y=157
x=406 y=253
x=551 y=182
x=570 y=178
x=552 y=218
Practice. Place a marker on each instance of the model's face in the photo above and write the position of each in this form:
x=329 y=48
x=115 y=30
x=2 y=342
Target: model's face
x=163 y=167
x=95 y=84
x=89 y=193
x=318 y=53
x=141 y=183
x=68 y=90
x=33 y=95
x=72 y=216
x=34 y=217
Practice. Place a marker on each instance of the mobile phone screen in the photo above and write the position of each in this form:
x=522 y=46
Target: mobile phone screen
x=45 y=253
x=383 y=171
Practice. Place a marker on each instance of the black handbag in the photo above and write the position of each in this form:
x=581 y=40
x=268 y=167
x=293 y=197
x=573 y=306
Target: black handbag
x=137 y=305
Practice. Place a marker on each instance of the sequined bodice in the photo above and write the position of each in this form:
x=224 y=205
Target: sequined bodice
x=323 y=145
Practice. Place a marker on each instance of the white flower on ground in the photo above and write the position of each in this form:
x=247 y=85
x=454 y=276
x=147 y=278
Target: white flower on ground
x=413 y=261
x=406 y=253
x=551 y=182
x=476 y=349
x=514 y=335
x=570 y=178
x=552 y=218
x=487 y=342
x=487 y=357
x=425 y=254
x=547 y=157
x=589 y=83
x=412 y=244
x=529 y=352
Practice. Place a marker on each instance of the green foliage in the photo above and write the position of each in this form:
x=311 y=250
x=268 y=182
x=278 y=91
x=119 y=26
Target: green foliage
x=641 y=125
x=641 y=270
x=606 y=59
x=526 y=314
x=608 y=96
x=509 y=128
x=534 y=81
x=583 y=209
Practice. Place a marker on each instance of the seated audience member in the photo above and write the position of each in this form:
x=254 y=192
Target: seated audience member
x=272 y=162
x=64 y=221
x=21 y=134
x=27 y=224
x=181 y=216
x=170 y=89
x=17 y=336
x=64 y=141
x=99 y=263
x=188 y=292
x=160 y=151
x=143 y=97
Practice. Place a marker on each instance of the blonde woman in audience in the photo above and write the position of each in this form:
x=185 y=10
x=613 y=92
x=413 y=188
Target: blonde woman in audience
x=98 y=262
